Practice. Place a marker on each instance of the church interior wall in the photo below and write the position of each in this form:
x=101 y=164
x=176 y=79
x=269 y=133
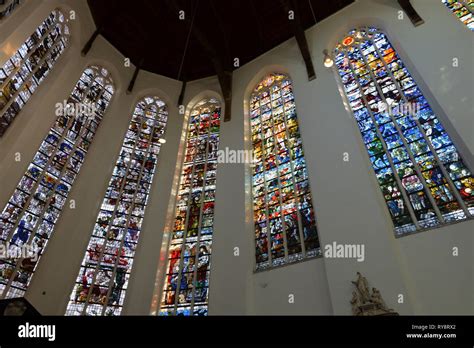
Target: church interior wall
x=421 y=267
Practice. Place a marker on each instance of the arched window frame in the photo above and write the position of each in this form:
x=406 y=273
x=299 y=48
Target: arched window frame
x=111 y=235
x=306 y=231
x=24 y=72
x=49 y=178
x=192 y=240
x=356 y=39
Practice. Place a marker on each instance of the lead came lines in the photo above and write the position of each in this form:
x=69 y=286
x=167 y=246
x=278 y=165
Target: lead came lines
x=422 y=161
x=58 y=175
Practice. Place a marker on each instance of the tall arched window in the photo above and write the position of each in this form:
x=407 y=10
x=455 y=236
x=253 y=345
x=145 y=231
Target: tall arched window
x=285 y=226
x=422 y=176
x=463 y=9
x=28 y=219
x=186 y=282
x=7 y=7
x=21 y=75
x=103 y=277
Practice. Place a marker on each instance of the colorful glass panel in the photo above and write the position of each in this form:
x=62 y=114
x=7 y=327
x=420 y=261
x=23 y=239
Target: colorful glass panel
x=186 y=286
x=463 y=9
x=285 y=224
x=102 y=281
x=30 y=215
x=21 y=75
x=422 y=176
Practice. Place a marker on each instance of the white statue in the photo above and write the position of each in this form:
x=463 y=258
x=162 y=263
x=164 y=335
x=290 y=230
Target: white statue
x=363 y=286
x=376 y=298
x=363 y=303
x=355 y=302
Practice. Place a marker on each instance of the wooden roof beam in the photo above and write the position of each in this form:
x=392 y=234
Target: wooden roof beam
x=91 y=40
x=224 y=75
x=411 y=12
x=134 y=77
x=298 y=31
x=181 y=95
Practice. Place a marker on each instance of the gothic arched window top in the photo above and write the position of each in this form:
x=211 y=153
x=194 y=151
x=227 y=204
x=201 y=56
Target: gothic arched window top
x=28 y=220
x=423 y=178
x=21 y=75
x=186 y=285
x=102 y=281
x=284 y=220
x=463 y=9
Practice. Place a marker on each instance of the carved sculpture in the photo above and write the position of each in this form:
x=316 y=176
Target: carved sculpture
x=355 y=303
x=363 y=287
x=365 y=303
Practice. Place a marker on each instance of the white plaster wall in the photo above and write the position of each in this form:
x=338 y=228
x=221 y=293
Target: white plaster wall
x=348 y=204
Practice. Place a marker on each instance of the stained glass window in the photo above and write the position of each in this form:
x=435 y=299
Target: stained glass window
x=422 y=176
x=186 y=283
x=30 y=215
x=102 y=281
x=21 y=75
x=463 y=9
x=7 y=7
x=285 y=224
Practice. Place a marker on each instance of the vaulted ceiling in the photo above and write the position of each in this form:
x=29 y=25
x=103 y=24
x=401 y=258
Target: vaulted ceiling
x=150 y=32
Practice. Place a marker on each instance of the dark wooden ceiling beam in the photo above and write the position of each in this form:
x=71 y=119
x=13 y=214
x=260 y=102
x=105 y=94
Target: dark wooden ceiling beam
x=155 y=29
x=91 y=40
x=224 y=74
x=410 y=11
x=181 y=95
x=300 y=36
x=134 y=77
x=225 y=81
